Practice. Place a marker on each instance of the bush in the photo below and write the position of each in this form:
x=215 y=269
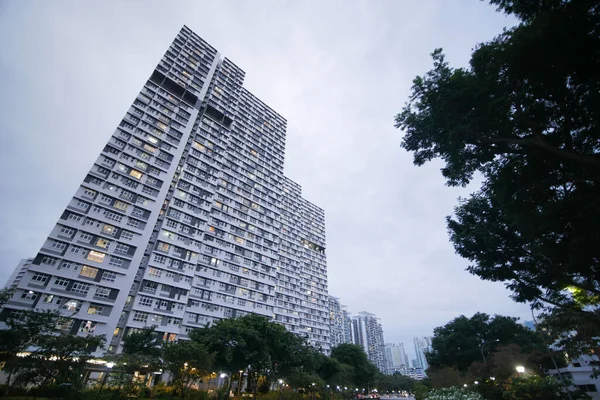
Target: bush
x=453 y=393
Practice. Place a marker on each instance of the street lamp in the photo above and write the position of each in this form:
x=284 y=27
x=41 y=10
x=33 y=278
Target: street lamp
x=281 y=389
x=109 y=365
x=520 y=369
x=483 y=345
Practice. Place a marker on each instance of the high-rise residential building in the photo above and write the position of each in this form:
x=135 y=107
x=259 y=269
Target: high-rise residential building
x=339 y=322
x=368 y=333
x=185 y=217
x=347 y=323
x=422 y=347
x=302 y=300
x=18 y=273
x=395 y=358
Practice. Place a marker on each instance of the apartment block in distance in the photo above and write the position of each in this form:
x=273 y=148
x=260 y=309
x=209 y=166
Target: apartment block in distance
x=185 y=217
x=340 y=323
x=368 y=333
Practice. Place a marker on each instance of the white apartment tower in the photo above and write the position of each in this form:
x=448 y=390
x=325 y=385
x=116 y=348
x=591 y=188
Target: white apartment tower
x=339 y=322
x=422 y=347
x=395 y=357
x=368 y=333
x=185 y=217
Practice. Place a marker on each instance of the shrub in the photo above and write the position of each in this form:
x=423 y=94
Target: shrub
x=453 y=393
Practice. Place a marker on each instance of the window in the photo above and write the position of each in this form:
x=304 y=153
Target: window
x=87 y=327
x=64 y=324
x=156 y=318
x=133 y=222
x=96 y=256
x=105 y=199
x=109 y=229
x=58 y=245
x=127 y=235
x=86 y=237
x=108 y=276
x=67 y=231
x=160 y=259
x=89 y=272
x=61 y=282
x=81 y=288
x=67 y=265
x=102 y=243
x=138 y=212
x=120 y=205
x=102 y=292
x=121 y=248
x=115 y=261
x=49 y=260
x=114 y=217
x=89 y=193
x=136 y=174
x=71 y=305
x=48 y=298
x=29 y=295
x=82 y=204
x=163 y=246
x=146 y=301
x=41 y=278
x=74 y=217
x=140 y=316
x=76 y=250
x=95 y=309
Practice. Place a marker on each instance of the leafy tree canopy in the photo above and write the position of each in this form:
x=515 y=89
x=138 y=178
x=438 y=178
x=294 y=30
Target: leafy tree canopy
x=458 y=344
x=525 y=116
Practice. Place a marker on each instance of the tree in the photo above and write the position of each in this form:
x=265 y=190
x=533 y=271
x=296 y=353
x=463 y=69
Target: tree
x=188 y=362
x=142 y=341
x=24 y=330
x=525 y=116
x=460 y=342
x=536 y=387
x=364 y=372
x=57 y=359
x=141 y=353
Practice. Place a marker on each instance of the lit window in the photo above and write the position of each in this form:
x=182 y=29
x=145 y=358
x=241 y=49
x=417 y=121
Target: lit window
x=95 y=309
x=48 y=298
x=71 y=305
x=96 y=256
x=102 y=243
x=198 y=146
x=109 y=229
x=89 y=272
x=154 y=272
x=149 y=148
x=163 y=246
x=120 y=205
x=136 y=174
x=87 y=327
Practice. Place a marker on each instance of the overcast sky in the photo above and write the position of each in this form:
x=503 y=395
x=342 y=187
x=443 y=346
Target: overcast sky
x=337 y=70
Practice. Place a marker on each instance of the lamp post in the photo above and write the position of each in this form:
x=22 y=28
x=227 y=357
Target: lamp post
x=483 y=345
x=281 y=389
x=240 y=383
x=109 y=365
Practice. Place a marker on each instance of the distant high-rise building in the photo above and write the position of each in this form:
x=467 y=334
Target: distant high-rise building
x=422 y=347
x=340 y=328
x=18 y=273
x=185 y=217
x=368 y=333
x=395 y=357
